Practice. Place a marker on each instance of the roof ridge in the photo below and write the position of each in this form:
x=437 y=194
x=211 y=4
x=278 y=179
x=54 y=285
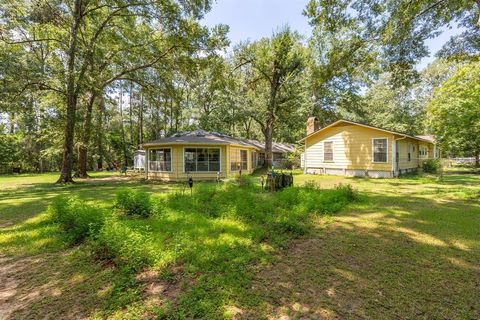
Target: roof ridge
x=363 y=124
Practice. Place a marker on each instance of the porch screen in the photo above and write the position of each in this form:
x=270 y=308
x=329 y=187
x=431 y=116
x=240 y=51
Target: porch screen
x=202 y=159
x=380 y=149
x=160 y=159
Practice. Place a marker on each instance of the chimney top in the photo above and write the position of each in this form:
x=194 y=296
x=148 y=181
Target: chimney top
x=312 y=125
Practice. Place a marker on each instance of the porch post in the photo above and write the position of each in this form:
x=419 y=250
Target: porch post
x=394 y=157
x=304 y=158
x=146 y=163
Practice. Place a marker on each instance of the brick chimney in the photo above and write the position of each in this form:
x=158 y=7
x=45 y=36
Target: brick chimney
x=312 y=125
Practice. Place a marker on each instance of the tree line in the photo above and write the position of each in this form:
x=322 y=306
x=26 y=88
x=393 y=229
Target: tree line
x=85 y=82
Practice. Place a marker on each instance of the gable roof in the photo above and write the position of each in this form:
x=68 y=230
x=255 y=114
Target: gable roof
x=421 y=138
x=216 y=138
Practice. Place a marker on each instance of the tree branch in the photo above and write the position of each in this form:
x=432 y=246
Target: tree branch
x=140 y=67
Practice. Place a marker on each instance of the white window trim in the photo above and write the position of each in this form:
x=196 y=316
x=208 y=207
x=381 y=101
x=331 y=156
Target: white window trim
x=373 y=150
x=239 y=155
x=196 y=147
x=423 y=151
x=333 y=152
x=171 y=159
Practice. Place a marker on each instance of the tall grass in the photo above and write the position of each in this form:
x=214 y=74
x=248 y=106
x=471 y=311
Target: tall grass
x=75 y=218
x=215 y=235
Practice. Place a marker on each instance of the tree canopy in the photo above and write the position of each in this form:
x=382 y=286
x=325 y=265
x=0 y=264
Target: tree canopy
x=454 y=112
x=85 y=82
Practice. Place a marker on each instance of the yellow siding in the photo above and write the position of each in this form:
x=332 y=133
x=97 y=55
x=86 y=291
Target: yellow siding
x=233 y=155
x=352 y=151
x=177 y=173
x=430 y=150
x=415 y=157
x=352 y=148
x=404 y=145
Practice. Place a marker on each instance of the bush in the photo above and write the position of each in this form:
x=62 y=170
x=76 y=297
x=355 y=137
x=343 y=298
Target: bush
x=244 y=181
x=133 y=202
x=157 y=206
x=122 y=245
x=76 y=219
x=432 y=166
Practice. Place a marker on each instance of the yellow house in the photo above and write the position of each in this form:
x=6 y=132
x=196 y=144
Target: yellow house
x=354 y=149
x=205 y=155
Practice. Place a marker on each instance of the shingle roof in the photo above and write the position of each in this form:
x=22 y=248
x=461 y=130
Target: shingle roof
x=427 y=137
x=205 y=137
x=276 y=146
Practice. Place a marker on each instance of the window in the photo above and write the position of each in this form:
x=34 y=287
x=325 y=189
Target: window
x=244 y=159
x=328 y=151
x=254 y=159
x=380 y=150
x=422 y=151
x=238 y=159
x=410 y=148
x=160 y=159
x=202 y=159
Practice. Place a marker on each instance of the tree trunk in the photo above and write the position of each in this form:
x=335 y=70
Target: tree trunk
x=85 y=139
x=268 y=128
x=124 y=141
x=12 y=123
x=130 y=112
x=67 y=158
x=101 y=110
x=140 y=122
x=165 y=118
x=268 y=133
x=171 y=116
x=157 y=131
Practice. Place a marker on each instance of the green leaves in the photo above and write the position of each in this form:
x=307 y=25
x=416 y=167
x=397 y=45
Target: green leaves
x=394 y=30
x=454 y=111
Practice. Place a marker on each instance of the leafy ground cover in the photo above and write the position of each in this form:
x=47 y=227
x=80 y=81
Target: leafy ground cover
x=190 y=258
x=407 y=248
x=410 y=250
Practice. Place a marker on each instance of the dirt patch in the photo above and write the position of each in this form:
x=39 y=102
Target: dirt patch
x=162 y=288
x=54 y=285
x=13 y=293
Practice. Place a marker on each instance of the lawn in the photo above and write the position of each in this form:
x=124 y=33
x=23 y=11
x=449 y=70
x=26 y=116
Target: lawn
x=408 y=248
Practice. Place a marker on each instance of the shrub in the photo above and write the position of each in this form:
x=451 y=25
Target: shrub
x=243 y=180
x=157 y=206
x=205 y=201
x=76 y=219
x=134 y=202
x=432 y=166
x=290 y=225
x=348 y=191
x=311 y=184
x=122 y=245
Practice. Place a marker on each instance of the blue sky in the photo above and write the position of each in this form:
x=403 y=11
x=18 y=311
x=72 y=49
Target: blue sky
x=254 y=19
